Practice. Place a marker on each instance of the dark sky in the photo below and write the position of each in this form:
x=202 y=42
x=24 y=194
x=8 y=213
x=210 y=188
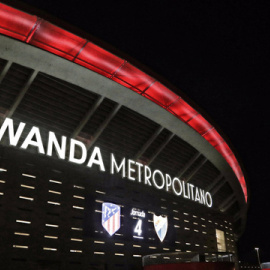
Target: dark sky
x=217 y=53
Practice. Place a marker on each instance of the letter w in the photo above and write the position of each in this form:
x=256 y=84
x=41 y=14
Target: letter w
x=13 y=138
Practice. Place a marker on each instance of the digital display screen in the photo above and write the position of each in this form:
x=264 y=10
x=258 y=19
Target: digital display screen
x=113 y=220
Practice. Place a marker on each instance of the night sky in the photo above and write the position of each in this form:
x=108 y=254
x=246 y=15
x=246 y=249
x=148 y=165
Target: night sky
x=216 y=53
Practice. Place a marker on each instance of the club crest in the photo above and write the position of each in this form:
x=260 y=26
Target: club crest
x=111 y=221
x=161 y=226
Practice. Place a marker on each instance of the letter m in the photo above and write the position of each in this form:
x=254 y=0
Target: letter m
x=8 y=125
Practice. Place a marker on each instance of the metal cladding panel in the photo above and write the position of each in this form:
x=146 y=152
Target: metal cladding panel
x=213 y=137
x=49 y=37
x=182 y=110
x=56 y=40
x=95 y=58
x=160 y=94
x=199 y=124
x=16 y=23
x=132 y=78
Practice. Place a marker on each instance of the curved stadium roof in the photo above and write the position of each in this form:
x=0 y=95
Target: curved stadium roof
x=42 y=34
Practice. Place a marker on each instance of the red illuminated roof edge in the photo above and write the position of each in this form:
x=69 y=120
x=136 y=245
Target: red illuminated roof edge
x=42 y=34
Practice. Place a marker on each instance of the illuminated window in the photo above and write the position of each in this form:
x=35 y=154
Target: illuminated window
x=119 y=244
x=220 y=241
x=99 y=253
x=56 y=182
x=54 y=192
x=76 y=229
x=28 y=175
x=23 y=221
x=50 y=237
x=26 y=198
x=20 y=233
x=17 y=246
x=78 y=207
x=79 y=187
x=52 y=225
x=54 y=203
x=49 y=249
x=76 y=239
x=26 y=186
x=100 y=192
x=119 y=254
x=78 y=197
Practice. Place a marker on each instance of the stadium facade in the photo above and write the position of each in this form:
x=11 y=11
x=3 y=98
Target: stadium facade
x=100 y=163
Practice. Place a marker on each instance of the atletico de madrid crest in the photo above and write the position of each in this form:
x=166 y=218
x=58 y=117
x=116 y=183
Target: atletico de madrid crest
x=111 y=217
x=161 y=226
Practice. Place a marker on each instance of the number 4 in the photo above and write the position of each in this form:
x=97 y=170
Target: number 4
x=138 y=228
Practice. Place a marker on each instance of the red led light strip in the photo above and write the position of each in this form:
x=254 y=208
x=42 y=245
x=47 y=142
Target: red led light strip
x=42 y=34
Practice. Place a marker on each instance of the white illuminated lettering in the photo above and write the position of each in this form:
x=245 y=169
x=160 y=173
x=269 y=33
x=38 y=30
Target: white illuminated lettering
x=202 y=196
x=96 y=158
x=191 y=191
x=138 y=227
x=122 y=166
x=138 y=213
x=208 y=199
x=178 y=193
x=131 y=170
x=188 y=190
x=147 y=175
x=168 y=182
x=78 y=154
x=184 y=189
x=197 y=196
x=13 y=138
x=72 y=158
x=60 y=150
x=161 y=177
x=139 y=171
x=29 y=140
